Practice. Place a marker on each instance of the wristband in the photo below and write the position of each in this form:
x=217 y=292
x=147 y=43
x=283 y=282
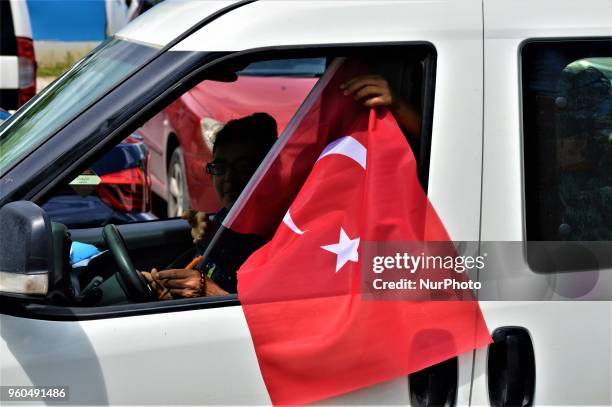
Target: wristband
x=202 y=290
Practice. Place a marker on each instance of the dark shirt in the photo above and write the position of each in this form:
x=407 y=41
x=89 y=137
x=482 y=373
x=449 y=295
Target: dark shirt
x=224 y=278
x=228 y=254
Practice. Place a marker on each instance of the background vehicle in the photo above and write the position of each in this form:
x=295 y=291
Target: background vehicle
x=115 y=190
x=17 y=59
x=122 y=194
x=487 y=181
x=181 y=137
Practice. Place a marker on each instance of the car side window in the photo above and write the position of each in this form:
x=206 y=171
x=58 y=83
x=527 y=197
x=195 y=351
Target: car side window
x=254 y=106
x=567 y=129
x=115 y=189
x=256 y=215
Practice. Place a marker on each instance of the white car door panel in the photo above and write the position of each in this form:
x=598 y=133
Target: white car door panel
x=569 y=320
x=193 y=357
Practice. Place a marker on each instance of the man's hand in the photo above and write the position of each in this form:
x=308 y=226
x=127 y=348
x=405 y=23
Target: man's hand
x=373 y=91
x=157 y=285
x=182 y=282
x=198 y=222
x=370 y=91
x=212 y=289
x=186 y=283
x=177 y=283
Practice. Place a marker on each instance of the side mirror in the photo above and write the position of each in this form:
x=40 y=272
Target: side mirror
x=26 y=251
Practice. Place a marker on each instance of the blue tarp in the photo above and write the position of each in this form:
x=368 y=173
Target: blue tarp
x=67 y=20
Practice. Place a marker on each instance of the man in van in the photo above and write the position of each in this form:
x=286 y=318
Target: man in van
x=205 y=277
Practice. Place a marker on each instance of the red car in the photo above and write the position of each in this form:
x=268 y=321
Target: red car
x=180 y=138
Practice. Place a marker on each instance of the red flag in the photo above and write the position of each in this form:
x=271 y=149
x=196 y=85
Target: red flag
x=323 y=117
x=315 y=333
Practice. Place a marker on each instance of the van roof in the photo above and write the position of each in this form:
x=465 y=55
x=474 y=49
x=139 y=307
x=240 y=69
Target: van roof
x=258 y=24
x=168 y=20
x=301 y=22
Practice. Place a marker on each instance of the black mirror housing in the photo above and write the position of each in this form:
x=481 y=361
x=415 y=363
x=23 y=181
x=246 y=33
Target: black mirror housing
x=26 y=249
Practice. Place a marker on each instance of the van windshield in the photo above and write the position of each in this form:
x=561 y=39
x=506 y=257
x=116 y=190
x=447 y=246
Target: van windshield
x=73 y=92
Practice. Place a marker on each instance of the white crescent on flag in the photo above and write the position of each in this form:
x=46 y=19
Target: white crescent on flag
x=289 y=222
x=346 y=146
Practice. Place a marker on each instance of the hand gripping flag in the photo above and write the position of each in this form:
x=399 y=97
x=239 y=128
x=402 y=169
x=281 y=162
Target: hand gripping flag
x=315 y=334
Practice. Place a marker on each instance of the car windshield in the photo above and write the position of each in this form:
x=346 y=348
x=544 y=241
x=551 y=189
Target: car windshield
x=310 y=67
x=60 y=102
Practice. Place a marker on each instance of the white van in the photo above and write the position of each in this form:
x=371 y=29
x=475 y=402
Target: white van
x=515 y=154
x=17 y=59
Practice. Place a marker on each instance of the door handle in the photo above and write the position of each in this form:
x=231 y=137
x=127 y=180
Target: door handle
x=511 y=368
x=435 y=385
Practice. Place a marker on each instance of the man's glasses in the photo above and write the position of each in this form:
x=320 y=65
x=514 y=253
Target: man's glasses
x=222 y=167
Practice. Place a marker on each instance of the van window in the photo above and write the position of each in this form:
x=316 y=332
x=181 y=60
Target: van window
x=252 y=219
x=158 y=171
x=222 y=155
x=567 y=130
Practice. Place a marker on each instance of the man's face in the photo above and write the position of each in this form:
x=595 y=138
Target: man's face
x=239 y=161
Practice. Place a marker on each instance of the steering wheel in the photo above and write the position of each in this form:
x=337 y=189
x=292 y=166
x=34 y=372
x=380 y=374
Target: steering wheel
x=135 y=284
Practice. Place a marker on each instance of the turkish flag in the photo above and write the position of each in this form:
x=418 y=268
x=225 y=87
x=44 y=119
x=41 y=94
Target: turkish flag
x=315 y=334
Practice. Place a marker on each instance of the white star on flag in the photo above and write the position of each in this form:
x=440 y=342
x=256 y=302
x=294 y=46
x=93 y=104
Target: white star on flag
x=346 y=249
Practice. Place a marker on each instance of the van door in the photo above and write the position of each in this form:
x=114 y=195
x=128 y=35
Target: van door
x=546 y=222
